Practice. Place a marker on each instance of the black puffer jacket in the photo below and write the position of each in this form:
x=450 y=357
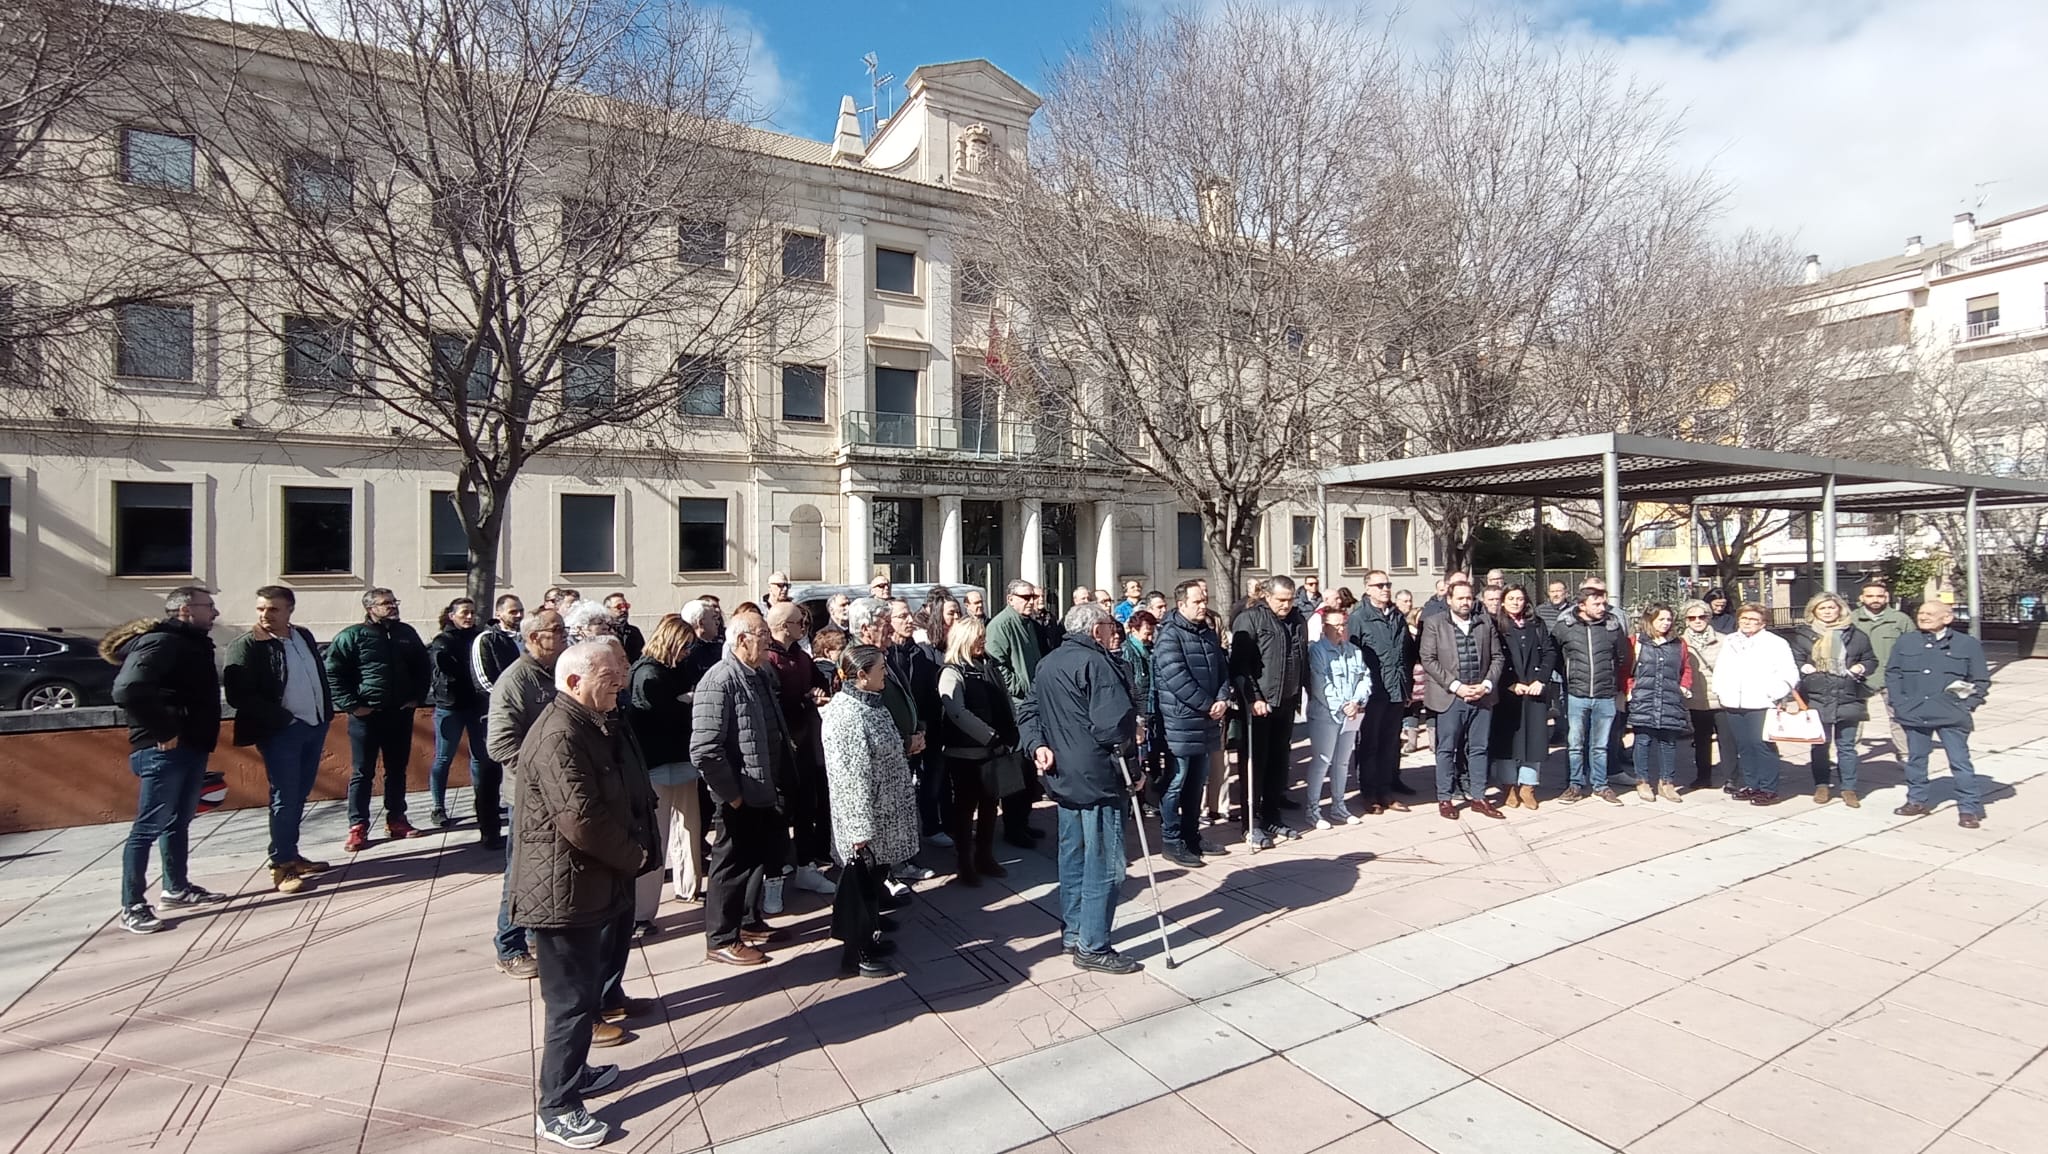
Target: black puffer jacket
x=1840 y=696
x=1594 y=655
x=1190 y=674
x=1080 y=708
x=738 y=738
x=583 y=827
x=454 y=684
x=373 y=665
x=658 y=707
x=167 y=683
x=1666 y=684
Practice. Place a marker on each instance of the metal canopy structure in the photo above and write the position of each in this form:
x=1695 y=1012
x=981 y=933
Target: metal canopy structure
x=1614 y=467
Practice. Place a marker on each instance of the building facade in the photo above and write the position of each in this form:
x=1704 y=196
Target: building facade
x=874 y=444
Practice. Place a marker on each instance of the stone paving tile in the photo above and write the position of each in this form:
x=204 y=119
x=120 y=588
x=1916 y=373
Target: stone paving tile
x=1613 y=1104
x=1185 y=1046
x=1273 y=1107
x=1378 y=1069
x=1464 y=1033
x=1818 y=1117
x=1165 y=1123
x=1078 y=1081
x=1477 y=1118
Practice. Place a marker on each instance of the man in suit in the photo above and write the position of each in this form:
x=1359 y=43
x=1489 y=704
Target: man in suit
x=1461 y=665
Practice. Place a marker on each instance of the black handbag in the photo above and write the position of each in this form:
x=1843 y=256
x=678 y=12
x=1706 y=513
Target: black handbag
x=1003 y=774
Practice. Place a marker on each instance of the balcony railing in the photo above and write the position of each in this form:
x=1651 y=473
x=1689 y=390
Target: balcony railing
x=1978 y=330
x=984 y=439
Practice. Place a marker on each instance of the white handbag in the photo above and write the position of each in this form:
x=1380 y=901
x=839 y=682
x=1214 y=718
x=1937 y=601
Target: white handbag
x=1801 y=727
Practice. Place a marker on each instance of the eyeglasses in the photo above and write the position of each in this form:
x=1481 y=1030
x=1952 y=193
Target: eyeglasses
x=1695 y=617
x=385 y=605
x=1379 y=584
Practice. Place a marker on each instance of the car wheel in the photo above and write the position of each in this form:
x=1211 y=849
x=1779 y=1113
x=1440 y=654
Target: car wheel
x=51 y=695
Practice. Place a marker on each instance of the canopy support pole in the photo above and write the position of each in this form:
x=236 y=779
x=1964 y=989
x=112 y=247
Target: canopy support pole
x=1827 y=535
x=1976 y=570
x=1542 y=570
x=1610 y=523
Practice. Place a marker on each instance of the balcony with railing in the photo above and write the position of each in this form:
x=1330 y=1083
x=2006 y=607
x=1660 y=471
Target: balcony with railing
x=868 y=433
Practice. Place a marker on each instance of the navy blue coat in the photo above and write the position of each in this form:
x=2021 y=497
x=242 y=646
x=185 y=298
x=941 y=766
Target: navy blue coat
x=1080 y=708
x=1917 y=677
x=1658 y=700
x=1190 y=674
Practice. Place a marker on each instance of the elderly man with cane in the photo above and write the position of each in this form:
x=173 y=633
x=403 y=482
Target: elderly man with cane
x=1077 y=727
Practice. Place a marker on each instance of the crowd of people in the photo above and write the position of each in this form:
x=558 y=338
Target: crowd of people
x=725 y=759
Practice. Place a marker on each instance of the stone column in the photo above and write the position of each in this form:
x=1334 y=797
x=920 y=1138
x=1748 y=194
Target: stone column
x=1030 y=541
x=1105 y=548
x=860 y=542
x=951 y=567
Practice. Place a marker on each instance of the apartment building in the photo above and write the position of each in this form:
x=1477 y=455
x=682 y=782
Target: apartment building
x=216 y=454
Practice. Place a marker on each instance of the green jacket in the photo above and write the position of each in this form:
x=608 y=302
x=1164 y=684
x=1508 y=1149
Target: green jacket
x=1014 y=646
x=1884 y=630
x=372 y=666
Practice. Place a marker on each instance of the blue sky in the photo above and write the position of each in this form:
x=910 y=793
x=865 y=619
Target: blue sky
x=1845 y=124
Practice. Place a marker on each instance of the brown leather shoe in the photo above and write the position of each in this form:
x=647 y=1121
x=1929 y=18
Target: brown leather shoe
x=1450 y=810
x=761 y=937
x=1609 y=796
x=606 y=1034
x=1969 y=820
x=1512 y=798
x=1398 y=806
x=1485 y=808
x=1528 y=793
x=630 y=1008
x=737 y=954
x=1820 y=795
x=1911 y=809
x=1571 y=794
x=1850 y=799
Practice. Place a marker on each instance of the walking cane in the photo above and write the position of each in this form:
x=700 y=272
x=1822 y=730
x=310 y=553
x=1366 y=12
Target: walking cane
x=1145 y=852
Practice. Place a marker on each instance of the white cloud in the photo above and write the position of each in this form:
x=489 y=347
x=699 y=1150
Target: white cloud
x=775 y=97
x=1853 y=124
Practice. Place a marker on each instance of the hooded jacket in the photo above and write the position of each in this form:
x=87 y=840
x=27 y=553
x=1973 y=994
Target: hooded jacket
x=1884 y=630
x=167 y=683
x=1081 y=710
x=1595 y=654
x=254 y=678
x=1662 y=685
x=1190 y=674
x=1922 y=668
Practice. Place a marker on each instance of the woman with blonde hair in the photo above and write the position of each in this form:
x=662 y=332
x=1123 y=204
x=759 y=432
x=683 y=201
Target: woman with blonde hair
x=1834 y=657
x=658 y=709
x=976 y=727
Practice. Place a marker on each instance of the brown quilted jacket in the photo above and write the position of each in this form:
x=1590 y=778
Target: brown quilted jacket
x=584 y=823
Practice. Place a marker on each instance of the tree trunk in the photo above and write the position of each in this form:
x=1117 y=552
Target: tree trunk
x=482 y=509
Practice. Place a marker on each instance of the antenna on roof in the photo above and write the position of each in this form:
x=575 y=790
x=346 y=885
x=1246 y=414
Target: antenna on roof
x=878 y=85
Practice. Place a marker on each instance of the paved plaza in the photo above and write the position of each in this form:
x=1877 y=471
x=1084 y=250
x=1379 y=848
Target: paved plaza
x=1655 y=978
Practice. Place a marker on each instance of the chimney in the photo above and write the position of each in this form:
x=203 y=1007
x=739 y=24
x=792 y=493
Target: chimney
x=1966 y=229
x=1912 y=246
x=1812 y=268
x=1216 y=206
x=846 y=142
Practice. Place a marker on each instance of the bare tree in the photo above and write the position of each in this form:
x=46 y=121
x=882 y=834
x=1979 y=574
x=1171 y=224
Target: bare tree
x=65 y=72
x=1523 y=181
x=503 y=228
x=1174 y=252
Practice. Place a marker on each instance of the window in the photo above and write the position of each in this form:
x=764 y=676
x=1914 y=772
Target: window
x=450 y=353
x=981 y=543
x=803 y=393
x=1354 y=542
x=318 y=354
x=319 y=185
x=895 y=406
x=895 y=271
x=1188 y=529
x=153 y=342
x=977 y=286
x=585 y=225
x=17 y=356
x=1796 y=527
x=803 y=256
x=1981 y=316
x=1400 y=543
x=1255 y=543
x=6 y=527
x=702 y=243
x=1303 y=555
x=152 y=529
x=587 y=539
x=317 y=525
x=701 y=535
x=899 y=537
x=701 y=380
x=447 y=544
x=589 y=377
x=978 y=408
x=1059 y=539
x=158 y=159
x=1661 y=537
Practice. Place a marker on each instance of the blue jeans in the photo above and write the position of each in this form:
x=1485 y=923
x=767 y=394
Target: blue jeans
x=1180 y=803
x=1843 y=734
x=163 y=816
x=1657 y=756
x=1587 y=723
x=509 y=939
x=291 y=760
x=1955 y=745
x=1091 y=873
x=1757 y=758
x=449 y=726
x=1462 y=732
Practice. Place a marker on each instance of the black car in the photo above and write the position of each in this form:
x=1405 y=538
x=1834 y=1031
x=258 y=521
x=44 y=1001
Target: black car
x=46 y=670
